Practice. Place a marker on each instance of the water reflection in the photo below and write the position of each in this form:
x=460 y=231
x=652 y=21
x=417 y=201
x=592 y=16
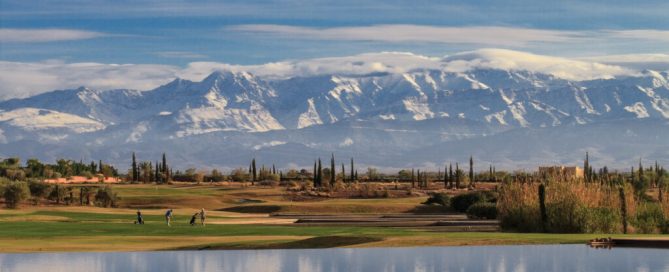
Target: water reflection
x=481 y=258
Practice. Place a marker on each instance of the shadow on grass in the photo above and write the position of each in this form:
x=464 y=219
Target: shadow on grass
x=430 y=209
x=315 y=242
x=253 y=209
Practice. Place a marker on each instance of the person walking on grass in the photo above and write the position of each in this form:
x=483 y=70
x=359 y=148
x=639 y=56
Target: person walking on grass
x=203 y=216
x=168 y=217
x=192 y=219
x=140 y=220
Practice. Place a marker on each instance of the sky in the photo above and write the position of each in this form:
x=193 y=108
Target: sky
x=163 y=36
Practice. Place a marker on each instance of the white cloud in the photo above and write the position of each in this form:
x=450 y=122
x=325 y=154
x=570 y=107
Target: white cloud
x=658 y=62
x=485 y=35
x=45 y=35
x=643 y=34
x=392 y=62
x=515 y=60
x=19 y=79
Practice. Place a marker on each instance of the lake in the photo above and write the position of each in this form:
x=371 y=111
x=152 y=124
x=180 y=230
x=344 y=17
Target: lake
x=466 y=258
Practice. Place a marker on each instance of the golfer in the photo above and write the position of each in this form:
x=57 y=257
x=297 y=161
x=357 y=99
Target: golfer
x=168 y=216
x=203 y=216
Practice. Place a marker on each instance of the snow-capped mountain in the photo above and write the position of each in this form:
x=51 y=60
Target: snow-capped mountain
x=393 y=117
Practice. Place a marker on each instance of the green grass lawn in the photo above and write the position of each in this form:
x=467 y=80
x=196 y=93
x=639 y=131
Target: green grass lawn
x=76 y=228
x=95 y=231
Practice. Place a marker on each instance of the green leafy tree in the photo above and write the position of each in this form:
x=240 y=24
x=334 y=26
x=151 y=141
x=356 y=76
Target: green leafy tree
x=105 y=197
x=15 y=192
x=38 y=190
x=239 y=175
x=57 y=194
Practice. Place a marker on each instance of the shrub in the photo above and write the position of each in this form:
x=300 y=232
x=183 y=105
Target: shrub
x=39 y=189
x=664 y=228
x=87 y=174
x=523 y=218
x=15 y=192
x=482 y=210
x=566 y=215
x=57 y=194
x=439 y=199
x=105 y=197
x=603 y=220
x=239 y=175
x=489 y=196
x=462 y=202
x=649 y=217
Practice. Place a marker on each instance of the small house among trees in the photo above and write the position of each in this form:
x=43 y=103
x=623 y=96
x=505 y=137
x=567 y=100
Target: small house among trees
x=561 y=171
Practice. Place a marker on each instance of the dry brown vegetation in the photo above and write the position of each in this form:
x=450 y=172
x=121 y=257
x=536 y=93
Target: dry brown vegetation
x=571 y=206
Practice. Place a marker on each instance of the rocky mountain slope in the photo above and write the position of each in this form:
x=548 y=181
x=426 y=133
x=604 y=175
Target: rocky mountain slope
x=422 y=116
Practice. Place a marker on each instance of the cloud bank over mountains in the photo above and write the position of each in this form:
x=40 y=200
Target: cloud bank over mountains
x=22 y=79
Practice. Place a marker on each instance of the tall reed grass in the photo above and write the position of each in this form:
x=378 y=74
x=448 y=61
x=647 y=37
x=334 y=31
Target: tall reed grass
x=572 y=206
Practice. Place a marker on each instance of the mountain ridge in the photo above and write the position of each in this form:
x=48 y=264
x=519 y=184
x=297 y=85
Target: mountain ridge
x=446 y=106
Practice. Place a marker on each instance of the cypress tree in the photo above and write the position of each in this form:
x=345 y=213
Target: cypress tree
x=659 y=192
x=494 y=174
x=445 y=176
x=156 y=177
x=632 y=176
x=333 y=172
x=413 y=178
x=356 y=175
x=640 y=171
x=320 y=173
x=623 y=209
x=164 y=169
x=100 y=166
x=457 y=176
x=418 y=178
x=255 y=173
x=656 y=177
x=586 y=167
x=273 y=170
x=150 y=174
x=450 y=175
x=315 y=174
x=352 y=169
x=343 y=173
x=542 y=206
x=471 y=170
x=135 y=172
x=490 y=174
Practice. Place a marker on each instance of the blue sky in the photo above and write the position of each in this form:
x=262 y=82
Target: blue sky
x=47 y=45
x=250 y=32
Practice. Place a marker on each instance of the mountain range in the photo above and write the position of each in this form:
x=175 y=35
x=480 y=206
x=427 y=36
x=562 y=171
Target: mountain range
x=390 y=118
